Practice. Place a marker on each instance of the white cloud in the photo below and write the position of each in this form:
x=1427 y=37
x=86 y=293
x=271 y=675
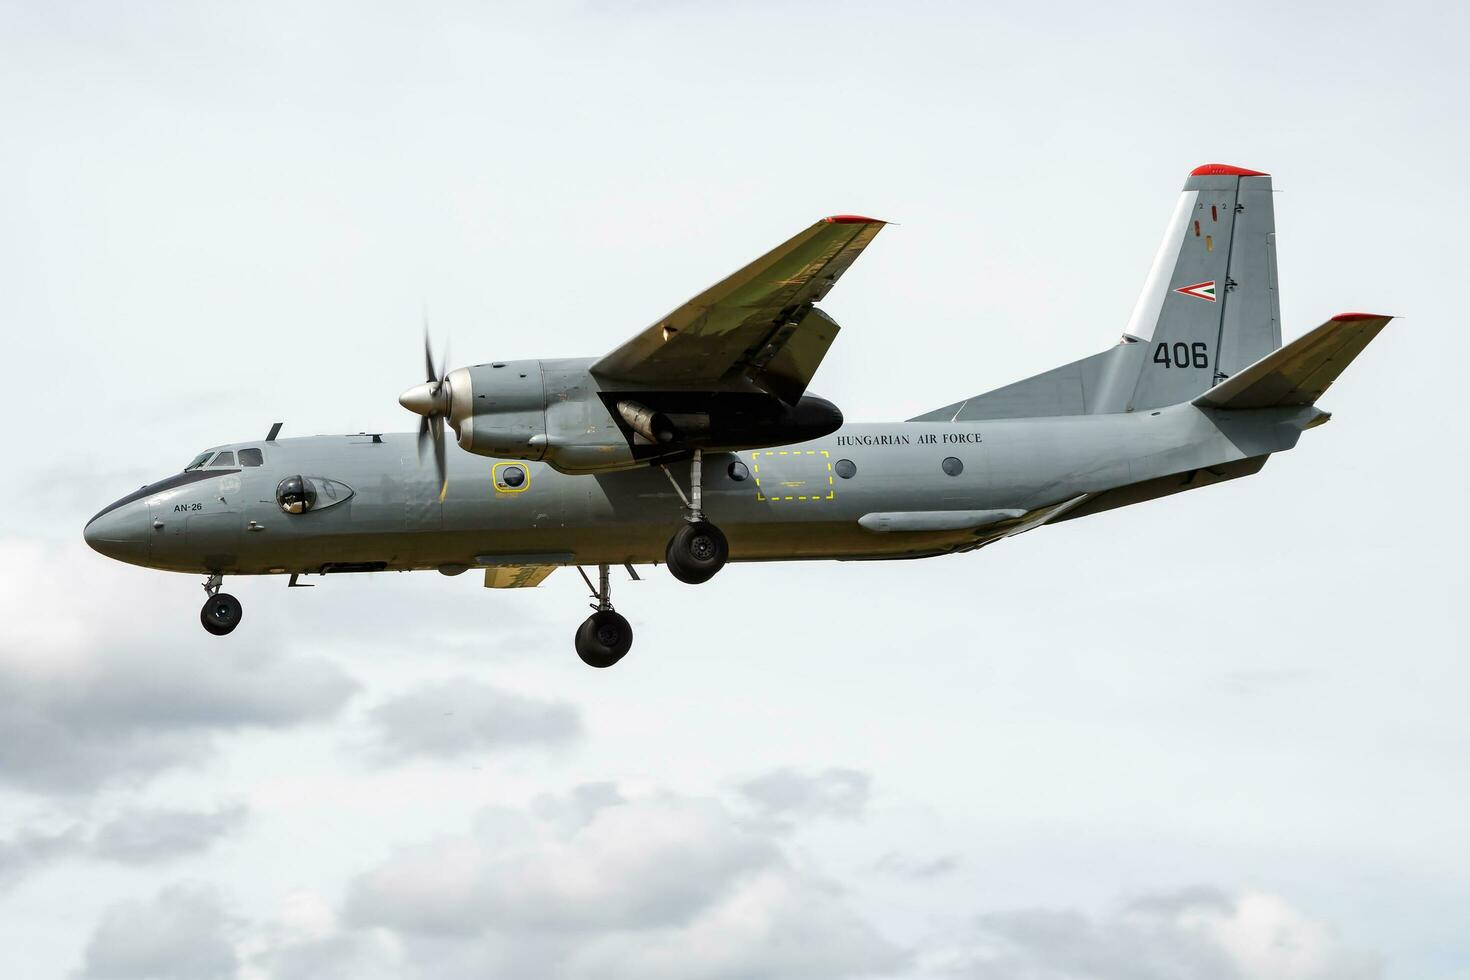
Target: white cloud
x=135 y=836
x=127 y=711
x=598 y=884
x=639 y=863
x=182 y=934
x=773 y=923
x=455 y=717
x=783 y=794
x=31 y=849
x=595 y=884
x=109 y=698
x=143 y=836
x=906 y=866
x=1200 y=933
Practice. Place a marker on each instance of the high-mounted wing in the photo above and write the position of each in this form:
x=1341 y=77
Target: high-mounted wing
x=759 y=323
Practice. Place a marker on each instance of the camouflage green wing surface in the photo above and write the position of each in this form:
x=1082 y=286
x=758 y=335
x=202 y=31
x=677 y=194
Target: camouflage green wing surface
x=759 y=324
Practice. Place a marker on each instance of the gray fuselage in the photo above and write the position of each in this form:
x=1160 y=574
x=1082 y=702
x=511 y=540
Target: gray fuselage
x=794 y=503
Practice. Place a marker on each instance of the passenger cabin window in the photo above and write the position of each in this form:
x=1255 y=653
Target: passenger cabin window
x=199 y=462
x=251 y=457
x=224 y=459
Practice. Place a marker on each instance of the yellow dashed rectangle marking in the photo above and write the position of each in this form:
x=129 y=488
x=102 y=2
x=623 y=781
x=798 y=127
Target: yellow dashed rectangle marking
x=755 y=470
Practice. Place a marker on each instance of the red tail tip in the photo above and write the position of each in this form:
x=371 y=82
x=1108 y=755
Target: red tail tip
x=1225 y=170
x=852 y=219
x=1348 y=317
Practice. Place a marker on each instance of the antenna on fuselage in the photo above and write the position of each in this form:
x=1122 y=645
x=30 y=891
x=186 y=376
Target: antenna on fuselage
x=275 y=431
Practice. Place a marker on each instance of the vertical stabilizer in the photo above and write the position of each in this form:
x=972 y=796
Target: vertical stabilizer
x=1208 y=309
x=1209 y=306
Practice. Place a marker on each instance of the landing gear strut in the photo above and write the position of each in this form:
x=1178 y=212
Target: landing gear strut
x=221 y=612
x=605 y=637
x=698 y=549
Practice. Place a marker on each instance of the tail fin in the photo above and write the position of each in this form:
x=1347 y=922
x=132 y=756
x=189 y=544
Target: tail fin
x=1300 y=372
x=1208 y=309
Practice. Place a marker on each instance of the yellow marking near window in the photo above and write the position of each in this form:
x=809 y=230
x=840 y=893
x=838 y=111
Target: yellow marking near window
x=755 y=471
x=501 y=486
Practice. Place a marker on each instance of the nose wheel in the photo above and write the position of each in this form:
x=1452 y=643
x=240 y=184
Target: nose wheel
x=221 y=612
x=698 y=549
x=605 y=637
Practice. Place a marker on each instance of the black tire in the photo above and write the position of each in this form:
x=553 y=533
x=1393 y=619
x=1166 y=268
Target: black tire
x=696 y=552
x=603 y=639
x=221 y=613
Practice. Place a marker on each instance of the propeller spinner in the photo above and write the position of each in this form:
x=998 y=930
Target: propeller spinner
x=430 y=401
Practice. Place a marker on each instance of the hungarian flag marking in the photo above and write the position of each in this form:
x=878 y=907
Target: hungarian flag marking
x=1199 y=290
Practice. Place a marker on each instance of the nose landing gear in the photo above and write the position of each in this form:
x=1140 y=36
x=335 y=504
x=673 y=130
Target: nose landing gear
x=221 y=612
x=698 y=549
x=605 y=637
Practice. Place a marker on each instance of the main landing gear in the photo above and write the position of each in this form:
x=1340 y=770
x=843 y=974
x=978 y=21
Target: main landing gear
x=605 y=637
x=698 y=549
x=221 y=612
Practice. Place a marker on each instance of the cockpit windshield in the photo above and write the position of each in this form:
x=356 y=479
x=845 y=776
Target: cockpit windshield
x=199 y=461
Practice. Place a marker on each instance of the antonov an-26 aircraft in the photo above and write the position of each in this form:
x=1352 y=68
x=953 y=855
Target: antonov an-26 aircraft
x=705 y=415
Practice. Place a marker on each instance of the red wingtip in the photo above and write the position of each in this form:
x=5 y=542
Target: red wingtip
x=1349 y=317
x=853 y=219
x=1225 y=170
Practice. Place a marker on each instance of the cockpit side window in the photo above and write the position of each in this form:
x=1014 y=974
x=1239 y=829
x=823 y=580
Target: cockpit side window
x=224 y=459
x=251 y=457
x=199 y=462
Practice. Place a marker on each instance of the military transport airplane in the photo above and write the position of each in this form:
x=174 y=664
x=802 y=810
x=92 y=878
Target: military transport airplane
x=579 y=461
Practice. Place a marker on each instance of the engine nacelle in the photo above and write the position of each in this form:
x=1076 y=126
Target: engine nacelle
x=499 y=409
x=557 y=411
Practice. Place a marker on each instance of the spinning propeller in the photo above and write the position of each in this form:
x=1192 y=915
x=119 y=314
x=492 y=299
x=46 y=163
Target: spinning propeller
x=430 y=401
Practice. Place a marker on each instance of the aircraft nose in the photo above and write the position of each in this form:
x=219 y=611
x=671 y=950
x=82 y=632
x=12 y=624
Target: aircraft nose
x=121 y=533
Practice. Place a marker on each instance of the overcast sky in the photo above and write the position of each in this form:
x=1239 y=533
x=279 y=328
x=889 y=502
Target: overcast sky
x=1222 y=735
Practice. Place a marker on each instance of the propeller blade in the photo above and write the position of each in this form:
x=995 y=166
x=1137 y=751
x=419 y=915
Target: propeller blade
x=423 y=434
x=429 y=373
x=431 y=423
x=440 y=463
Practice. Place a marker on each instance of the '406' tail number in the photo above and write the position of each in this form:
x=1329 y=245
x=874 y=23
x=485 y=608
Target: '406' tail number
x=1183 y=355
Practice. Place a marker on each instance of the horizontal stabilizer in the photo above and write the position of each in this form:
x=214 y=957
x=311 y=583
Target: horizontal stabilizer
x=1300 y=372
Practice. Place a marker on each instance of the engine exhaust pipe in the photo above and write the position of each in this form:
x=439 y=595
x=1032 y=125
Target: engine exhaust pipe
x=651 y=425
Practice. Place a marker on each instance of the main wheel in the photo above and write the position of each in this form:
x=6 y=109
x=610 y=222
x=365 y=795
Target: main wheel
x=221 y=613
x=603 y=639
x=696 y=552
